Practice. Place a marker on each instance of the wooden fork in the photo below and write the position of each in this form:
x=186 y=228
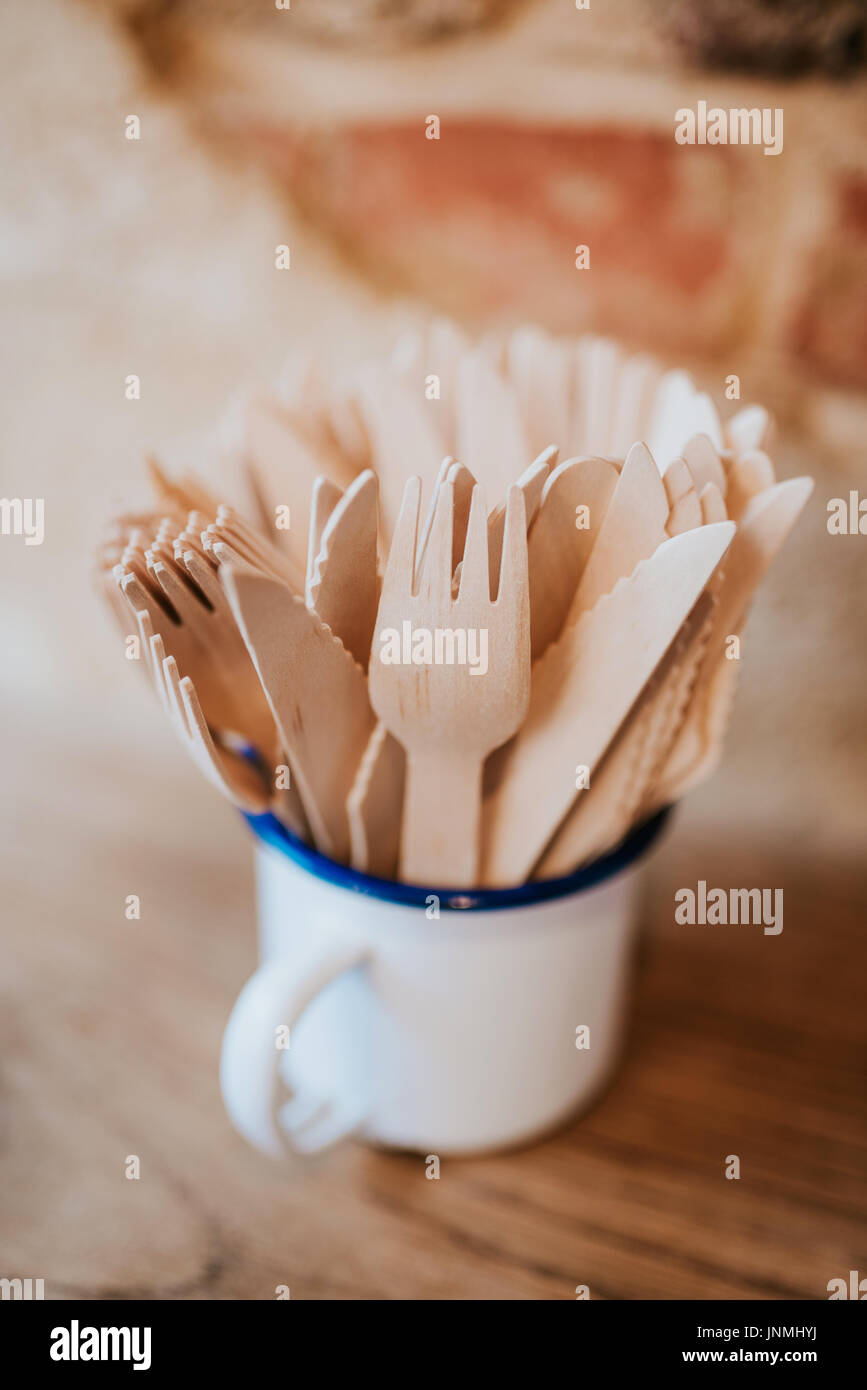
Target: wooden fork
x=237 y=778
x=447 y=718
x=214 y=654
x=188 y=610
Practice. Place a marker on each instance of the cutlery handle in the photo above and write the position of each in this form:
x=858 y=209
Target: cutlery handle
x=253 y=1090
x=441 y=819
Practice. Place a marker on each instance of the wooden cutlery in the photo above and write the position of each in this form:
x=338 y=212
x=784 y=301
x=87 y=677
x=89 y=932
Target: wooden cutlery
x=316 y=692
x=574 y=501
x=583 y=688
x=448 y=717
x=764 y=526
x=630 y=767
x=374 y=806
x=343 y=582
x=529 y=679
x=632 y=528
x=490 y=433
x=395 y=412
x=284 y=465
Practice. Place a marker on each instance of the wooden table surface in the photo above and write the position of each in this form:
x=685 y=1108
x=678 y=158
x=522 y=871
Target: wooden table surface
x=109 y=1035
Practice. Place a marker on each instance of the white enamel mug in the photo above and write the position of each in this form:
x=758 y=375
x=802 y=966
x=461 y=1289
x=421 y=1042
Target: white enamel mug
x=438 y=1021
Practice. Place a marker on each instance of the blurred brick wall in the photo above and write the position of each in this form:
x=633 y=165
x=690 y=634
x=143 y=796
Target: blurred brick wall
x=557 y=129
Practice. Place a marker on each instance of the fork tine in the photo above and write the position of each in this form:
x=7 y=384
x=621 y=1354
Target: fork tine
x=196 y=722
x=161 y=548
x=158 y=656
x=203 y=574
x=210 y=539
x=131 y=586
x=513 y=582
x=436 y=579
x=142 y=595
x=444 y=470
x=226 y=554
x=243 y=783
x=245 y=544
x=191 y=536
x=133 y=559
x=172 y=679
x=464 y=482
x=399 y=572
x=196 y=523
x=531 y=482
x=475 y=581
x=146 y=637
x=181 y=596
x=146 y=632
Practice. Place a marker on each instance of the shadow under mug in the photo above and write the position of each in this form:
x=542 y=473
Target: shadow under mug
x=437 y=1020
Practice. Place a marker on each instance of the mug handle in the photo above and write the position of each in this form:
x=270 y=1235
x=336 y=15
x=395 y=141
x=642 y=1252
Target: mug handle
x=277 y=995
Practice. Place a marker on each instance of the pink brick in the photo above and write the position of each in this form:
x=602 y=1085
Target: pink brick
x=484 y=222
x=829 y=327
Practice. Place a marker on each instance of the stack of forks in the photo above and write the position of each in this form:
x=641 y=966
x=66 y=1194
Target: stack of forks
x=537 y=670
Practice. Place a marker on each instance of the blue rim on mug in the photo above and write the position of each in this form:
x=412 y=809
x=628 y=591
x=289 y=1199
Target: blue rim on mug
x=268 y=828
